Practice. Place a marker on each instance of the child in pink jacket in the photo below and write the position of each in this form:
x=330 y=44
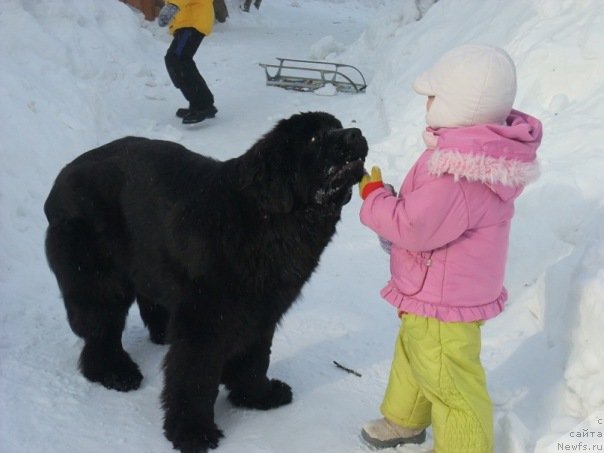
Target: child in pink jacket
x=449 y=231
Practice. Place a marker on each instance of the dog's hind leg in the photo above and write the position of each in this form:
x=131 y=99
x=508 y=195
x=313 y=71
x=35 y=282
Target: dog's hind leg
x=97 y=297
x=155 y=317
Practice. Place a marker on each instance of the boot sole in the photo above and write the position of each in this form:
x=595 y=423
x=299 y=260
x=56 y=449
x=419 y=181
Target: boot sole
x=391 y=443
x=207 y=115
x=189 y=121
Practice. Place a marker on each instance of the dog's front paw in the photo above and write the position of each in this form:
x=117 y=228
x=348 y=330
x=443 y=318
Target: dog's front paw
x=274 y=394
x=280 y=394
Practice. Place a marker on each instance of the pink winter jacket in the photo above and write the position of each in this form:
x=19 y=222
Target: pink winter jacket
x=449 y=225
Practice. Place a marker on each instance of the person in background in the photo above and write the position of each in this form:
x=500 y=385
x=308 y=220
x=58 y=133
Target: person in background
x=190 y=21
x=246 y=5
x=448 y=231
x=221 y=11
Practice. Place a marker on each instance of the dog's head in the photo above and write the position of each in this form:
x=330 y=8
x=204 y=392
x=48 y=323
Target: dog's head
x=305 y=159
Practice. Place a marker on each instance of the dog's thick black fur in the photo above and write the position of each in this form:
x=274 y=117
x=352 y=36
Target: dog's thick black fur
x=213 y=252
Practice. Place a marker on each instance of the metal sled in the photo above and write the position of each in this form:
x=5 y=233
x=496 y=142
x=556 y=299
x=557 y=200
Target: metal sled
x=308 y=75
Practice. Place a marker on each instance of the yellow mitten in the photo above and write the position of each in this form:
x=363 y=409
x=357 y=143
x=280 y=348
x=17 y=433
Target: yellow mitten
x=370 y=182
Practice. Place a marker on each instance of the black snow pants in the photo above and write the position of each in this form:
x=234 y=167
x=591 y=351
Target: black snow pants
x=182 y=69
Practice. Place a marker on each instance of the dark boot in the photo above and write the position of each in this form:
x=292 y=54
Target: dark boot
x=198 y=115
x=182 y=112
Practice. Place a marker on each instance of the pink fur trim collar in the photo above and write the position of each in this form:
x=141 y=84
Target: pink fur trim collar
x=482 y=168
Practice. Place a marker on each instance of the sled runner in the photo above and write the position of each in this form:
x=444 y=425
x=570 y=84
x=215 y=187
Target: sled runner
x=308 y=75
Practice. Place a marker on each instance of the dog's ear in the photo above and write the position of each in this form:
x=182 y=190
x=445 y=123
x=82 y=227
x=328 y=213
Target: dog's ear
x=268 y=186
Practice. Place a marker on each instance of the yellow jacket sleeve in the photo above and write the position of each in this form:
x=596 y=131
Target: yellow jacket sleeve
x=197 y=14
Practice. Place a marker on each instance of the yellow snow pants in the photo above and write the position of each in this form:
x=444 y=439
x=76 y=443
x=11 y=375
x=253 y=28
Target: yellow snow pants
x=437 y=379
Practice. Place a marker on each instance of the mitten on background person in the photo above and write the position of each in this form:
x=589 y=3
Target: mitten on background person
x=166 y=14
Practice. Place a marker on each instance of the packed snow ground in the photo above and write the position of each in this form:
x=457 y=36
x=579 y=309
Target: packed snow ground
x=78 y=73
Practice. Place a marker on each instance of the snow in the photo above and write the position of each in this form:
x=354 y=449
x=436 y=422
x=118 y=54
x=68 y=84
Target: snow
x=79 y=73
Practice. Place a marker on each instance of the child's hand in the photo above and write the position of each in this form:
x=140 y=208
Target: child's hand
x=370 y=182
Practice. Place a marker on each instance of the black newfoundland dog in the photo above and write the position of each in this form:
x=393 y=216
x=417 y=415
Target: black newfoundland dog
x=213 y=252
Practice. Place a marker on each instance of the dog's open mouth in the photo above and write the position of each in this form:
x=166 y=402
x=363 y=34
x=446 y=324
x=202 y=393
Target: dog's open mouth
x=351 y=148
x=340 y=179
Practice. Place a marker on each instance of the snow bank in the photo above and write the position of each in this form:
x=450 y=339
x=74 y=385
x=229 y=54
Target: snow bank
x=78 y=73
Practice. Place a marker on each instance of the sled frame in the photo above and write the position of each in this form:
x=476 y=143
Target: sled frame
x=309 y=75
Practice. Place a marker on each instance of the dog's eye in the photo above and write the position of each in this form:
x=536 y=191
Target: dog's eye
x=316 y=138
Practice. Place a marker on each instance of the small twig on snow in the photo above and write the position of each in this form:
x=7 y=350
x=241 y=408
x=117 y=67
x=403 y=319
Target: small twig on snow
x=348 y=370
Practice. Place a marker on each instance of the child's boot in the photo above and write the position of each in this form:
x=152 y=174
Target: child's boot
x=383 y=433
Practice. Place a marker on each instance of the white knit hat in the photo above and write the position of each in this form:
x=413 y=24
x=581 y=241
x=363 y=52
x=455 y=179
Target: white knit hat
x=471 y=84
